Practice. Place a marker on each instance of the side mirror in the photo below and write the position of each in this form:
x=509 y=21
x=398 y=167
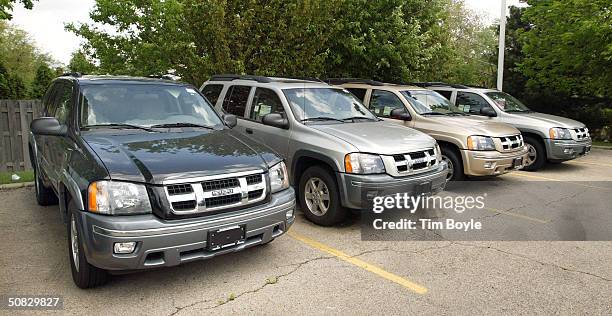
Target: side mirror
x=488 y=111
x=48 y=126
x=276 y=120
x=400 y=114
x=231 y=120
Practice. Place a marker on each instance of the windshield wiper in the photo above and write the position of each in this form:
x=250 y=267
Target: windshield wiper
x=121 y=125
x=457 y=113
x=519 y=111
x=321 y=118
x=353 y=118
x=170 y=125
x=433 y=113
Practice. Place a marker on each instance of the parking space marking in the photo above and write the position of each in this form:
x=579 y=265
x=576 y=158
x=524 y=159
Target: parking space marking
x=419 y=289
x=516 y=174
x=518 y=215
x=589 y=163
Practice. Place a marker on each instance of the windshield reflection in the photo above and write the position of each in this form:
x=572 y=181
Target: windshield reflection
x=326 y=104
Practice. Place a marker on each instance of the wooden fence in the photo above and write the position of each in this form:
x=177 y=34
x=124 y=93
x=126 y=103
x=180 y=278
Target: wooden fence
x=15 y=118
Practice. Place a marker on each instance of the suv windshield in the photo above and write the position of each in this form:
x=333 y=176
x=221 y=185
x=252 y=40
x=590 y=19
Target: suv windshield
x=328 y=104
x=429 y=102
x=506 y=102
x=145 y=105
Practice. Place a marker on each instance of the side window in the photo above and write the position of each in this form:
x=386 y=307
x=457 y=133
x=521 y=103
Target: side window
x=236 y=100
x=470 y=102
x=359 y=93
x=48 y=104
x=63 y=103
x=445 y=93
x=383 y=102
x=265 y=101
x=212 y=92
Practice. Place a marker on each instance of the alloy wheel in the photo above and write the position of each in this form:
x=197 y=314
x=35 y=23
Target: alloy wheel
x=532 y=155
x=451 y=168
x=317 y=196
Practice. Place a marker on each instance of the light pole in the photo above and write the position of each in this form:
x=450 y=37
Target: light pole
x=502 y=46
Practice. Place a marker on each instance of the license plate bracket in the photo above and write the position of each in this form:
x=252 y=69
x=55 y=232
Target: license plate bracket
x=226 y=237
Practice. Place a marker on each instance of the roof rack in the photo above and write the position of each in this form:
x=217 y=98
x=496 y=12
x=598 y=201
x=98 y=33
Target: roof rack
x=354 y=80
x=261 y=79
x=439 y=84
x=165 y=77
x=72 y=74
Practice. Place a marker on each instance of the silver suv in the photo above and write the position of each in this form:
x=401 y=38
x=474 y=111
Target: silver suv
x=548 y=137
x=340 y=155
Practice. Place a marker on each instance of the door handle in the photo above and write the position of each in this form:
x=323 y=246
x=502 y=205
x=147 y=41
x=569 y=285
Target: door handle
x=249 y=131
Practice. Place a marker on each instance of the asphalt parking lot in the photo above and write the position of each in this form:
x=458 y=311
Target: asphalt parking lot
x=331 y=270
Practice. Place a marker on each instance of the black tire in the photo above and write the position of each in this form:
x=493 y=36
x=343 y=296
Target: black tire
x=455 y=164
x=335 y=212
x=44 y=195
x=84 y=274
x=540 y=152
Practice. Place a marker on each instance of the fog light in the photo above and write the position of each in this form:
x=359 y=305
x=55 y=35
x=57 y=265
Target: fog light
x=289 y=214
x=568 y=150
x=124 y=247
x=489 y=165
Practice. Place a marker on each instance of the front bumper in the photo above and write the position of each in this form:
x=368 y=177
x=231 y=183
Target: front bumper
x=357 y=191
x=163 y=243
x=491 y=163
x=562 y=150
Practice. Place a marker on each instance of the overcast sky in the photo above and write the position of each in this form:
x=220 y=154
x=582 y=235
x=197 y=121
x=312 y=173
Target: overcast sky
x=45 y=23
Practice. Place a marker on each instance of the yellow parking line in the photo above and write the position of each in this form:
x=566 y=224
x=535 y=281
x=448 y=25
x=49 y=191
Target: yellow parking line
x=419 y=289
x=516 y=174
x=518 y=215
x=589 y=163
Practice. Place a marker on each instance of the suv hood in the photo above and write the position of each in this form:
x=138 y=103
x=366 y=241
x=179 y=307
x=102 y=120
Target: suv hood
x=536 y=119
x=467 y=125
x=378 y=137
x=153 y=157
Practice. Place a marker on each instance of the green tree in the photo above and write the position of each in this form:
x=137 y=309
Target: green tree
x=79 y=62
x=569 y=46
x=6 y=6
x=44 y=76
x=514 y=80
x=5 y=90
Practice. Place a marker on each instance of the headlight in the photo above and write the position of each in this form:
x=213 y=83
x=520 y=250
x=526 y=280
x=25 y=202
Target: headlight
x=438 y=152
x=279 y=180
x=118 y=198
x=559 y=133
x=480 y=143
x=363 y=163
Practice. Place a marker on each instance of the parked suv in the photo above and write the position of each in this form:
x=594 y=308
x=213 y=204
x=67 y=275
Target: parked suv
x=147 y=175
x=548 y=137
x=339 y=154
x=470 y=144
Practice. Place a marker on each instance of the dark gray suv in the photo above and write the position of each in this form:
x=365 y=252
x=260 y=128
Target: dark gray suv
x=147 y=174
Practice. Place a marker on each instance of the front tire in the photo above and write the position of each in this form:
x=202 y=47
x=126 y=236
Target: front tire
x=44 y=195
x=320 y=198
x=536 y=154
x=455 y=165
x=84 y=274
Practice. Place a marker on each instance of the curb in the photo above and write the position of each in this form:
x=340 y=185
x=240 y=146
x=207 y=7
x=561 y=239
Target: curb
x=602 y=147
x=16 y=185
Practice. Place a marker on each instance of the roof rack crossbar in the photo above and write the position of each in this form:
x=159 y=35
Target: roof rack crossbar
x=231 y=77
x=354 y=80
x=439 y=84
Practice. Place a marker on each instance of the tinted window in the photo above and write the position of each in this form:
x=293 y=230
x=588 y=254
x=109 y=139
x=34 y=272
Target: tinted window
x=265 y=101
x=470 y=102
x=236 y=100
x=383 y=102
x=212 y=92
x=62 y=103
x=359 y=93
x=444 y=93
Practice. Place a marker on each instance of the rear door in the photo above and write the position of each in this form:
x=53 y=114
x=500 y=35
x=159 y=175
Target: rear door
x=266 y=101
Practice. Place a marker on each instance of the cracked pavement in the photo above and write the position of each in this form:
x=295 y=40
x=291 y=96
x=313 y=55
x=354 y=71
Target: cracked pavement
x=288 y=276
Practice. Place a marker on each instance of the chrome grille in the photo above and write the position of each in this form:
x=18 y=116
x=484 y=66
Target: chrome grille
x=580 y=133
x=215 y=192
x=415 y=162
x=510 y=143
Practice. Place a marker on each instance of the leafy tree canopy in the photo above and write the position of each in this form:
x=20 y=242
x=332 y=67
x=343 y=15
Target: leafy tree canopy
x=6 y=6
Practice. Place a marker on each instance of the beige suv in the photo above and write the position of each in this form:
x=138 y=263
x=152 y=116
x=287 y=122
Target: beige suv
x=470 y=144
